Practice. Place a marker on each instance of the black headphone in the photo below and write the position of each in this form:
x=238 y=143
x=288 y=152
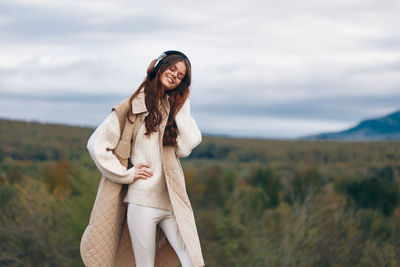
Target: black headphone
x=156 y=63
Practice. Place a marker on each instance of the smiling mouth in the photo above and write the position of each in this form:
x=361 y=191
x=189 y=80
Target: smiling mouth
x=170 y=80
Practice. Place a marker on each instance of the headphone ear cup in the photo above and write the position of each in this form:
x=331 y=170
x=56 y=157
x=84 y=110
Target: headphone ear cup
x=151 y=67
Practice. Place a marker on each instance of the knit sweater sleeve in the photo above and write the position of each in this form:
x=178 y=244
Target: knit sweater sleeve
x=189 y=135
x=100 y=145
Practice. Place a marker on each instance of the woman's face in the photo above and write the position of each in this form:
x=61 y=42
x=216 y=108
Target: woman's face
x=173 y=75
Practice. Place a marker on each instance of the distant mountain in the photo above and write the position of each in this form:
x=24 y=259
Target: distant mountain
x=385 y=128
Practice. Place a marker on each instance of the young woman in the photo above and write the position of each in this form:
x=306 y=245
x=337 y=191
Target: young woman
x=164 y=97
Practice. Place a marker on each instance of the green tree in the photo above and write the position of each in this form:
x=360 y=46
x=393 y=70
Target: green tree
x=375 y=193
x=270 y=182
x=307 y=183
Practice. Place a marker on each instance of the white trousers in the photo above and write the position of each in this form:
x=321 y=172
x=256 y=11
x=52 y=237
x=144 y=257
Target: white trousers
x=142 y=222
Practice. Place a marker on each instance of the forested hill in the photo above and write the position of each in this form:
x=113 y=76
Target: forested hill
x=23 y=140
x=256 y=202
x=385 y=128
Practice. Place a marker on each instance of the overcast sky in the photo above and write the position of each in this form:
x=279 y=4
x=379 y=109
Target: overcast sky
x=273 y=69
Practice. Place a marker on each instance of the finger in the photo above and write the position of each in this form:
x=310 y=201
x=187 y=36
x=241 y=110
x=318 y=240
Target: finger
x=147 y=172
x=141 y=165
x=140 y=177
x=144 y=173
x=143 y=169
x=146 y=165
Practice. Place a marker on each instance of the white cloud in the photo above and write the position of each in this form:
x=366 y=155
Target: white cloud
x=243 y=52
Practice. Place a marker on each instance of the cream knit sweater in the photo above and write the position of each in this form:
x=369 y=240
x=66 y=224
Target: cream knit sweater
x=151 y=192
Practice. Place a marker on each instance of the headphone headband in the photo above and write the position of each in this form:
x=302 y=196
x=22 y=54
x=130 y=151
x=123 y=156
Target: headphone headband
x=155 y=64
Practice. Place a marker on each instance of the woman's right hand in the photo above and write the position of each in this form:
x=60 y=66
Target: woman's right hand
x=141 y=172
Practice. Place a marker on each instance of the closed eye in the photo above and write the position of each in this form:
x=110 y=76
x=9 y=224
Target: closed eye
x=180 y=75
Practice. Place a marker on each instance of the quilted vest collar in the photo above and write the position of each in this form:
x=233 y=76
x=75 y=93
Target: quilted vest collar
x=139 y=103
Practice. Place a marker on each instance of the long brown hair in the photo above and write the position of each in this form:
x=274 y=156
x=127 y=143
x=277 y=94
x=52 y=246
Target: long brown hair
x=154 y=93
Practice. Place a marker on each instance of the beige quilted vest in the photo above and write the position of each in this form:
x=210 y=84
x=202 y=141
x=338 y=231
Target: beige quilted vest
x=106 y=240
